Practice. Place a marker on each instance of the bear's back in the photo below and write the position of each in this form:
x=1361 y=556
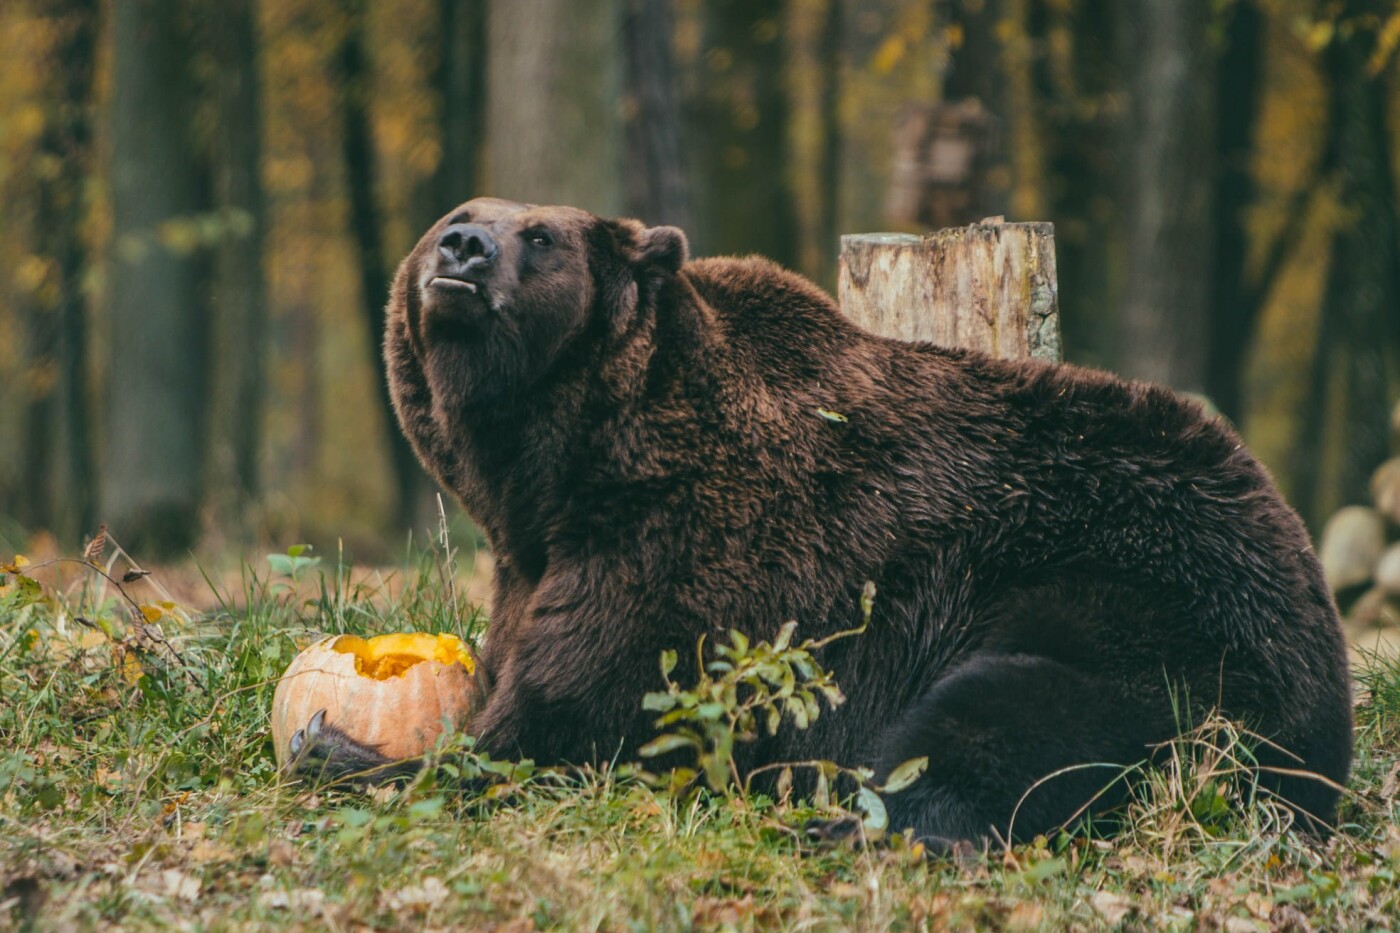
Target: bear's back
x=1130 y=475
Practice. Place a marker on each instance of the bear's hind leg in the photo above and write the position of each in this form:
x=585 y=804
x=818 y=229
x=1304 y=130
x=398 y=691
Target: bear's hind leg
x=1017 y=745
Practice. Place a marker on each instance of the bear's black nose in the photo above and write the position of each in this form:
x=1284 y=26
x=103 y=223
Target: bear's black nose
x=468 y=245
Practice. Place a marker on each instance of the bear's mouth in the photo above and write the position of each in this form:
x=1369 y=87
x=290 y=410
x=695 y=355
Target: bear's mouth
x=453 y=284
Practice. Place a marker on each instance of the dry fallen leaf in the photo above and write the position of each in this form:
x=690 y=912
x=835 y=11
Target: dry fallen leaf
x=1391 y=784
x=844 y=889
x=1289 y=919
x=298 y=900
x=206 y=851
x=722 y=912
x=281 y=852
x=518 y=925
x=1112 y=907
x=425 y=896
x=93 y=552
x=177 y=884
x=1259 y=905
x=130 y=666
x=1026 y=915
x=1136 y=865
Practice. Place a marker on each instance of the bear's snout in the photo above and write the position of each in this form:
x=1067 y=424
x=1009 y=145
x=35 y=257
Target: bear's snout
x=466 y=250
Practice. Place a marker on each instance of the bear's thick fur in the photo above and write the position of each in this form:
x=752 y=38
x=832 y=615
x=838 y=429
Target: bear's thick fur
x=1064 y=561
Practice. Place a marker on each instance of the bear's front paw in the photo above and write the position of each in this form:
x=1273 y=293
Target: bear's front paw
x=320 y=750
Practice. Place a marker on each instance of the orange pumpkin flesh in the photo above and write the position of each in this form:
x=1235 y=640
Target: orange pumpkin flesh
x=385 y=656
x=392 y=693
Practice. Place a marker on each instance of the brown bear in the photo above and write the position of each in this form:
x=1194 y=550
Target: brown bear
x=1065 y=562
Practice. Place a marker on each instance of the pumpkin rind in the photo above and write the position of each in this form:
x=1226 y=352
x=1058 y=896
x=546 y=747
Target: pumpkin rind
x=400 y=713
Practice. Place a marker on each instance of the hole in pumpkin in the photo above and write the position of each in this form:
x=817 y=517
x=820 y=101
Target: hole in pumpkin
x=385 y=656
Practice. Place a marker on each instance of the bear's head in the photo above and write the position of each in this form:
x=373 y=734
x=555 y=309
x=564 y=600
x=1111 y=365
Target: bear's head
x=496 y=290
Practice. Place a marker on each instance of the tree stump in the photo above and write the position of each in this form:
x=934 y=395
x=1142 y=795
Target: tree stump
x=989 y=287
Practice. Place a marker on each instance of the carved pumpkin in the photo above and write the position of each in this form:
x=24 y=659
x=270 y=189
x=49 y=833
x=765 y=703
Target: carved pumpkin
x=390 y=694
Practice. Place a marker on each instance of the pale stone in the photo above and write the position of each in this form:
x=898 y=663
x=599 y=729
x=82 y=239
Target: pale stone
x=1352 y=541
x=1388 y=570
x=1385 y=489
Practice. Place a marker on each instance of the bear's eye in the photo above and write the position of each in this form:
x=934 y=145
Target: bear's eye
x=539 y=238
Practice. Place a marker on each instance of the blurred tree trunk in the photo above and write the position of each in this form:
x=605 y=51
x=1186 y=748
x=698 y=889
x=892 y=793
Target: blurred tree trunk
x=154 y=425
x=1233 y=310
x=59 y=471
x=367 y=229
x=744 y=109
x=554 y=127
x=460 y=79
x=975 y=65
x=1168 y=153
x=240 y=304
x=1359 y=321
x=979 y=68
x=831 y=62
x=656 y=167
x=1079 y=80
x=864 y=143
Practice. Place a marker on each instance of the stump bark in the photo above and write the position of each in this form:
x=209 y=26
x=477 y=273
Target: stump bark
x=989 y=287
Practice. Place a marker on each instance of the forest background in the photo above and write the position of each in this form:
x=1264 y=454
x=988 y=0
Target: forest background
x=202 y=203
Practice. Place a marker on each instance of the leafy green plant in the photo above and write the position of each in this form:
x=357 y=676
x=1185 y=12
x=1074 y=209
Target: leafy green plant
x=293 y=563
x=456 y=760
x=743 y=688
x=747 y=689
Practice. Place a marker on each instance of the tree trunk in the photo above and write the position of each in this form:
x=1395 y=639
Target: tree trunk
x=461 y=85
x=974 y=67
x=831 y=61
x=1077 y=83
x=36 y=505
x=555 y=132
x=1360 y=336
x=1232 y=312
x=656 y=167
x=59 y=472
x=864 y=127
x=1168 y=154
x=979 y=69
x=154 y=426
x=367 y=228
x=744 y=125
x=1309 y=446
x=240 y=301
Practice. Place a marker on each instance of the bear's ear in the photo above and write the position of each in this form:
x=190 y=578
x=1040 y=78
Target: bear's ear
x=665 y=247
x=661 y=248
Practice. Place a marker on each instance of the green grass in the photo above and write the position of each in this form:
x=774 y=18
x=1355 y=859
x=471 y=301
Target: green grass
x=138 y=788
